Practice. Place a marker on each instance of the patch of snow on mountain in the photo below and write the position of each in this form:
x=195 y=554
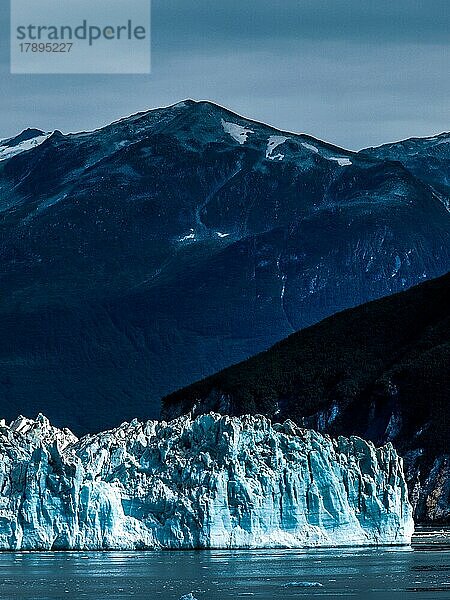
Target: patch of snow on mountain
x=342 y=161
x=8 y=151
x=188 y=237
x=212 y=482
x=310 y=147
x=273 y=142
x=237 y=132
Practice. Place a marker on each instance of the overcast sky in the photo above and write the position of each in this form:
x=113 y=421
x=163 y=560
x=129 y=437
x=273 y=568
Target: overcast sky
x=353 y=72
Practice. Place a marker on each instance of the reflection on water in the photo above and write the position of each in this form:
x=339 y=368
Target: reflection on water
x=384 y=574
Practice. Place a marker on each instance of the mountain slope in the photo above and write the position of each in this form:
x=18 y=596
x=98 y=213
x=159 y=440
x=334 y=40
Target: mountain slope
x=427 y=158
x=27 y=140
x=380 y=371
x=143 y=256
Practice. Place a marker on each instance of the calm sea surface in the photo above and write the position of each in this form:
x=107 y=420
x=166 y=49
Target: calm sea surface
x=387 y=574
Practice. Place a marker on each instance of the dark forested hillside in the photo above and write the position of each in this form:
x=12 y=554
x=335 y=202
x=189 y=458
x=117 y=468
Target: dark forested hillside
x=380 y=371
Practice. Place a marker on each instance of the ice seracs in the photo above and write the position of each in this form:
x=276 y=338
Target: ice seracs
x=39 y=431
x=212 y=482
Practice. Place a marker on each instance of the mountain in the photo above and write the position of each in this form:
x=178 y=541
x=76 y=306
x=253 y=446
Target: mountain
x=28 y=139
x=25 y=136
x=215 y=482
x=155 y=251
x=426 y=158
x=380 y=371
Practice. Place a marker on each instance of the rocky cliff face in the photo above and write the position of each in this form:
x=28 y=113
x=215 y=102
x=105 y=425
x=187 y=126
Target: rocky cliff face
x=212 y=482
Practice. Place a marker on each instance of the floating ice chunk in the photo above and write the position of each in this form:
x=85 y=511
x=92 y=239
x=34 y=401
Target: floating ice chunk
x=273 y=142
x=310 y=147
x=10 y=151
x=237 y=132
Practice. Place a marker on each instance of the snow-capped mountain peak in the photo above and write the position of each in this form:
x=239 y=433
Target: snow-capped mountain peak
x=27 y=140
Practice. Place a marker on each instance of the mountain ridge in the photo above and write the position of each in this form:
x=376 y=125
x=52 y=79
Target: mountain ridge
x=195 y=244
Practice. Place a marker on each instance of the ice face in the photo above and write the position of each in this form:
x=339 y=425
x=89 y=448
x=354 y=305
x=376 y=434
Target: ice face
x=212 y=482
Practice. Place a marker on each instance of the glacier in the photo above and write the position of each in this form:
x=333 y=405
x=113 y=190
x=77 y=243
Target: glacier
x=207 y=482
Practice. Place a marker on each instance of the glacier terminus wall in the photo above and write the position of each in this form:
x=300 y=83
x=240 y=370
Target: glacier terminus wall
x=212 y=482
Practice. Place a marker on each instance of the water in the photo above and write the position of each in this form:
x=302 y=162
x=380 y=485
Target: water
x=422 y=572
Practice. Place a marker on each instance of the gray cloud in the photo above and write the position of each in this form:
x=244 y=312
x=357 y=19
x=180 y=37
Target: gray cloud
x=368 y=21
x=354 y=72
